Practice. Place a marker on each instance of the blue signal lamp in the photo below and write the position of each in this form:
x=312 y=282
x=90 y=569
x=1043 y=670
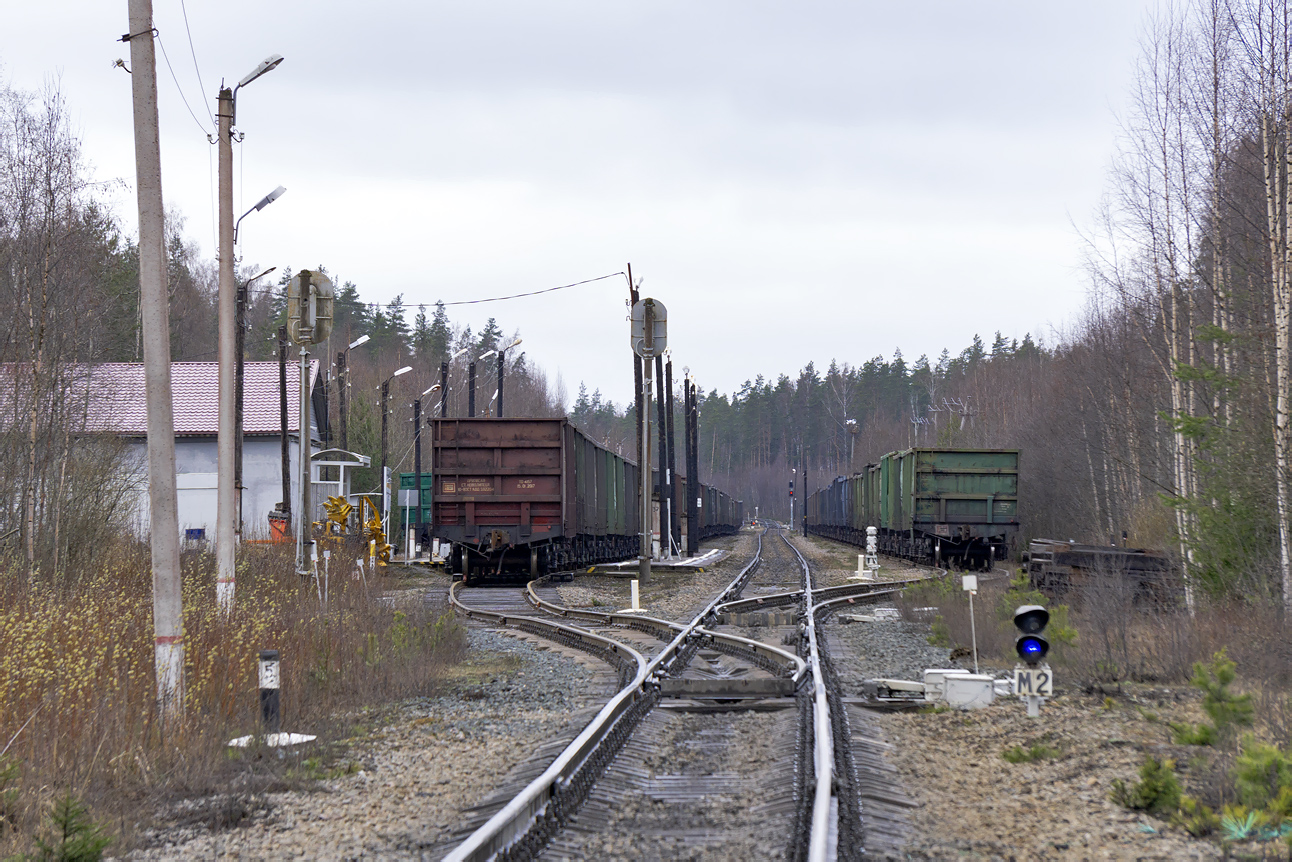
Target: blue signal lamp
x=1030 y=644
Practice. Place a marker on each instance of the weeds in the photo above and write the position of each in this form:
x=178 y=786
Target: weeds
x=79 y=650
x=1038 y=751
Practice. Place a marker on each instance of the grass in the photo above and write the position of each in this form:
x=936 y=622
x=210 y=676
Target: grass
x=76 y=671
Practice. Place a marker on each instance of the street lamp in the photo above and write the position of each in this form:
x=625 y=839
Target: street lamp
x=343 y=383
x=226 y=509
x=263 y=202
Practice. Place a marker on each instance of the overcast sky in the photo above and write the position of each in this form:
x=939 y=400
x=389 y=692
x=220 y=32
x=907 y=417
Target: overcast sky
x=795 y=181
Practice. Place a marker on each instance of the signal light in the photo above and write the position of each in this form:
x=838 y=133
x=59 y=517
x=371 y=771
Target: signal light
x=1031 y=644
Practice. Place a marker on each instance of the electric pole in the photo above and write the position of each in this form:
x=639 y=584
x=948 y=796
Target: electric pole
x=225 y=550
x=154 y=311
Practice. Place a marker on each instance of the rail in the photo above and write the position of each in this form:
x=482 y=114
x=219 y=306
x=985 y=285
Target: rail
x=822 y=738
x=533 y=814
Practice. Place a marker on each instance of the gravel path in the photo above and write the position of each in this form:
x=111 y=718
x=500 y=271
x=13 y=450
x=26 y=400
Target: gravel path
x=427 y=761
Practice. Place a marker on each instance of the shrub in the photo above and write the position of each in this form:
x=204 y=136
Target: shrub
x=1188 y=734
x=74 y=836
x=1226 y=709
x=1157 y=791
x=1195 y=818
x=1261 y=773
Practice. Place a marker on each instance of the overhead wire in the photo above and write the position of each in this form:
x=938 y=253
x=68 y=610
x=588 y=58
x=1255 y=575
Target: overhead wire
x=193 y=51
x=534 y=292
x=174 y=78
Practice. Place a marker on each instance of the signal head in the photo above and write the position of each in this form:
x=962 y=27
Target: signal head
x=1031 y=645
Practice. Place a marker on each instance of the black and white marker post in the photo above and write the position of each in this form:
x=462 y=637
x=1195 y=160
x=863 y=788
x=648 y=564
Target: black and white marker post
x=270 y=714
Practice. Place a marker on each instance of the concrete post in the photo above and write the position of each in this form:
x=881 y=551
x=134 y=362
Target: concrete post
x=154 y=311
x=225 y=549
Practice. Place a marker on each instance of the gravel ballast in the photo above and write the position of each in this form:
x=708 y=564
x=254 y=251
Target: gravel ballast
x=429 y=759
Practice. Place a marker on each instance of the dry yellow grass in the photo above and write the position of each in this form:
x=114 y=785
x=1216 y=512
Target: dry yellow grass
x=77 y=690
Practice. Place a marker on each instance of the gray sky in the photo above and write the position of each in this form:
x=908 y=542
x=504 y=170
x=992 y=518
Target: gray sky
x=795 y=181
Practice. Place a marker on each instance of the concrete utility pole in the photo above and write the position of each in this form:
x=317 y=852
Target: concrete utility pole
x=225 y=549
x=282 y=422
x=225 y=506
x=168 y=618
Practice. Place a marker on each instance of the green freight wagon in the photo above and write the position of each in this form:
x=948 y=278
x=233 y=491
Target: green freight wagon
x=953 y=507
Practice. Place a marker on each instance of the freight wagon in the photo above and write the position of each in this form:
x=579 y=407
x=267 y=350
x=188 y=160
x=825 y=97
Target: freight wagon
x=1055 y=567
x=954 y=507
x=537 y=495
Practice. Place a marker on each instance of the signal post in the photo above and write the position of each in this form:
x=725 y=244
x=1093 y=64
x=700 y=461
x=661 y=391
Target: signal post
x=649 y=338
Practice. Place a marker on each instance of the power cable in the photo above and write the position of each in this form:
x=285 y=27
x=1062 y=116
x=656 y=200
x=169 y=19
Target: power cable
x=200 y=85
x=182 y=97
x=535 y=292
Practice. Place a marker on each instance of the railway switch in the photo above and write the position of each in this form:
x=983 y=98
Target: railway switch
x=1030 y=644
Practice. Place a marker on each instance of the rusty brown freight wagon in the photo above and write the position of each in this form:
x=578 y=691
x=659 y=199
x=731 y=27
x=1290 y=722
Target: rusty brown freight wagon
x=529 y=496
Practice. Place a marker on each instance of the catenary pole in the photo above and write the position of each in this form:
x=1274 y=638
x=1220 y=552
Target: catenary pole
x=168 y=619
x=648 y=344
x=502 y=357
x=239 y=384
x=341 y=381
x=665 y=531
x=417 y=468
x=305 y=535
x=225 y=550
x=282 y=422
x=444 y=389
x=674 y=520
x=471 y=390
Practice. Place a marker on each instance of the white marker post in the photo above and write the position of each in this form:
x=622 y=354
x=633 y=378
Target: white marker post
x=872 y=551
x=270 y=715
x=970 y=584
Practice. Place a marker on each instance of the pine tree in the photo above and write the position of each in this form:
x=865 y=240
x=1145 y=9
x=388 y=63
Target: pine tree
x=440 y=335
x=490 y=337
x=421 y=340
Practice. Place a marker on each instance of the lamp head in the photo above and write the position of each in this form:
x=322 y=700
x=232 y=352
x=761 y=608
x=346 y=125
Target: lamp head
x=270 y=198
x=362 y=339
x=404 y=370
x=486 y=354
x=513 y=344
x=267 y=64
x=435 y=388
x=456 y=355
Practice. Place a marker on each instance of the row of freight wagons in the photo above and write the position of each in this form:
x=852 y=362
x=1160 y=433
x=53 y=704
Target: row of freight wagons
x=538 y=495
x=952 y=507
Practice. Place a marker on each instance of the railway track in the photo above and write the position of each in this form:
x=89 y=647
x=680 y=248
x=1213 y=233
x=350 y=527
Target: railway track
x=778 y=783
